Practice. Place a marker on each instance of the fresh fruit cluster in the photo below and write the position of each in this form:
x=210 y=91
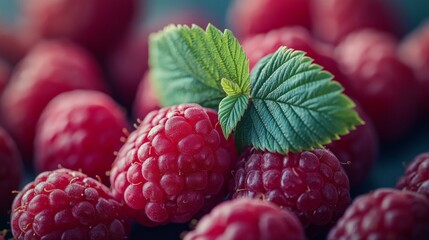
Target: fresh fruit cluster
x=268 y=139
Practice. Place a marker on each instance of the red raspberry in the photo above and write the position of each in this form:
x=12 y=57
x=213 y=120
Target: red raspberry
x=173 y=165
x=66 y=204
x=383 y=85
x=414 y=51
x=416 y=177
x=335 y=19
x=10 y=172
x=95 y=24
x=80 y=129
x=48 y=70
x=146 y=100
x=384 y=214
x=311 y=184
x=250 y=17
x=357 y=150
x=298 y=38
x=245 y=219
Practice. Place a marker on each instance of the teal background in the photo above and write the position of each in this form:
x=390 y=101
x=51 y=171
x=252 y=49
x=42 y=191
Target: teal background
x=415 y=10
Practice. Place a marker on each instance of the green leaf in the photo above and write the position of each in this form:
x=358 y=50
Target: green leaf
x=294 y=106
x=231 y=88
x=187 y=64
x=231 y=109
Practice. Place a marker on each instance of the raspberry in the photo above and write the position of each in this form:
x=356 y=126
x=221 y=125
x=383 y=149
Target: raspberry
x=50 y=68
x=146 y=100
x=311 y=184
x=173 y=165
x=96 y=24
x=298 y=38
x=416 y=177
x=383 y=85
x=79 y=130
x=384 y=214
x=66 y=204
x=357 y=150
x=414 y=51
x=250 y=17
x=10 y=172
x=333 y=20
x=248 y=219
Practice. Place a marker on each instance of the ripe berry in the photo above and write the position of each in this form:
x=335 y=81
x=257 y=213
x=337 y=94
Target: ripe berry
x=312 y=184
x=66 y=204
x=173 y=165
x=416 y=177
x=384 y=214
x=250 y=17
x=10 y=172
x=333 y=20
x=383 y=85
x=414 y=51
x=358 y=150
x=95 y=24
x=242 y=219
x=146 y=99
x=298 y=38
x=50 y=68
x=79 y=129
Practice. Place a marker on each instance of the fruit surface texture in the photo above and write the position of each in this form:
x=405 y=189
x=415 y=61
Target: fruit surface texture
x=173 y=165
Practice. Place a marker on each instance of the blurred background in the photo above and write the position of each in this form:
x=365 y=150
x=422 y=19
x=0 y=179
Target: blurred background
x=415 y=10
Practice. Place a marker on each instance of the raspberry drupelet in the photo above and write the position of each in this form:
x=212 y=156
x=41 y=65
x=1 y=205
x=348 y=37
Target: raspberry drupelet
x=173 y=165
x=66 y=204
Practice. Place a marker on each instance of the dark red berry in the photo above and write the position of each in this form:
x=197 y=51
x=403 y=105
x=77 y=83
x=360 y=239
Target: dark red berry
x=66 y=204
x=94 y=24
x=173 y=165
x=250 y=17
x=50 y=68
x=312 y=184
x=146 y=99
x=11 y=171
x=383 y=85
x=333 y=20
x=357 y=150
x=298 y=38
x=384 y=214
x=245 y=219
x=414 y=51
x=416 y=177
x=80 y=129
